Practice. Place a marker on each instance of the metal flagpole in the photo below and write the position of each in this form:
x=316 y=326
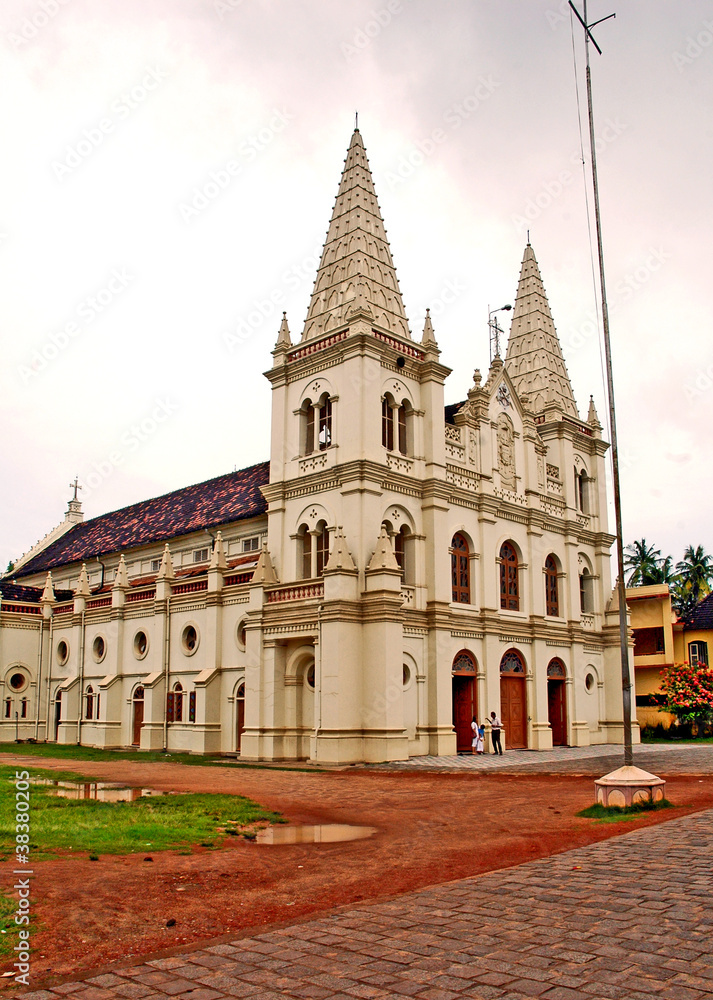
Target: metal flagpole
x=621 y=590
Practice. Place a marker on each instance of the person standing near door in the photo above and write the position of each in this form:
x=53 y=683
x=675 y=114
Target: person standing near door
x=495 y=728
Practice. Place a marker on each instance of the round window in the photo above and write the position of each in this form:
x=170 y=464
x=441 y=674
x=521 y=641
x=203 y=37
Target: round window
x=17 y=681
x=589 y=681
x=189 y=640
x=62 y=652
x=99 y=648
x=141 y=645
x=241 y=635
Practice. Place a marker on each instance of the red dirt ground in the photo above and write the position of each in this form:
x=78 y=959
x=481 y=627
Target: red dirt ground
x=431 y=828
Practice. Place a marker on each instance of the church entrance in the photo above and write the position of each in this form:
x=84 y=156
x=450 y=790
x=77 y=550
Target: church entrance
x=464 y=700
x=513 y=701
x=239 y=715
x=557 y=702
x=138 y=716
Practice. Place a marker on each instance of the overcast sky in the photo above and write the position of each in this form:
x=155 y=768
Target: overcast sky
x=169 y=169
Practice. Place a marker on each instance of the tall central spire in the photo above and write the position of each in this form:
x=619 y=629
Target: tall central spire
x=356 y=275
x=534 y=359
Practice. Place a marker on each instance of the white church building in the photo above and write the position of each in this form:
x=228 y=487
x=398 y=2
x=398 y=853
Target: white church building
x=396 y=568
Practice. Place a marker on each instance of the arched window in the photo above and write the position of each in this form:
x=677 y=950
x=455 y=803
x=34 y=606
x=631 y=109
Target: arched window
x=308 y=426
x=551 y=589
x=403 y=552
x=325 y=423
x=581 y=490
x=8 y=707
x=174 y=703
x=585 y=592
x=460 y=570
x=322 y=549
x=395 y=424
x=312 y=550
x=556 y=670
x=23 y=708
x=509 y=586
x=402 y=414
x=304 y=552
x=464 y=663
x=89 y=713
x=387 y=423
x=512 y=663
x=316 y=424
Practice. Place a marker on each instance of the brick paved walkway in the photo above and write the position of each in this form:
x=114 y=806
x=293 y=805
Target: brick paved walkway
x=669 y=758
x=630 y=918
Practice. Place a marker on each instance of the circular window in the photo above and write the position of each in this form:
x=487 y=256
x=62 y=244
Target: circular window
x=241 y=635
x=309 y=676
x=589 y=681
x=407 y=674
x=17 y=681
x=99 y=649
x=141 y=645
x=62 y=652
x=189 y=640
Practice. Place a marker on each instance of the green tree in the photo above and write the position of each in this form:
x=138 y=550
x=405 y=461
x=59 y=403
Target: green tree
x=695 y=571
x=688 y=692
x=643 y=560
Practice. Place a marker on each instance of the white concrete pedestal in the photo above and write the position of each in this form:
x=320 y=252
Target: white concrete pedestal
x=628 y=785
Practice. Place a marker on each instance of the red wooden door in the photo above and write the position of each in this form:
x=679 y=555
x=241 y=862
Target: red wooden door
x=513 y=712
x=557 y=712
x=240 y=719
x=463 y=711
x=138 y=722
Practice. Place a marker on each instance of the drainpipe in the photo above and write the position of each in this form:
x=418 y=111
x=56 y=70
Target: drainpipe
x=166 y=662
x=101 y=582
x=81 y=682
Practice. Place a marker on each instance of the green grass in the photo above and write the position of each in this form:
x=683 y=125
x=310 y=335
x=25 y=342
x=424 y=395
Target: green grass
x=8 y=927
x=150 y=824
x=622 y=814
x=61 y=751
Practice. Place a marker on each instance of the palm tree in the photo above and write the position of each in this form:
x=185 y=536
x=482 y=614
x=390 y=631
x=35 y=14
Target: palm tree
x=643 y=560
x=664 y=572
x=696 y=573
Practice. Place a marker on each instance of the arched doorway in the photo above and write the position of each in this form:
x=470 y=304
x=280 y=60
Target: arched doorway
x=239 y=715
x=138 y=720
x=465 y=703
x=513 y=701
x=557 y=702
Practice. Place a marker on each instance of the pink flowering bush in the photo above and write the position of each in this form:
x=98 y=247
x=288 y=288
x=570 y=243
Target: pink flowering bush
x=688 y=692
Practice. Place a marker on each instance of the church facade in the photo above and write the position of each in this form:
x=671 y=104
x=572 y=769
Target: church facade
x=398 y=567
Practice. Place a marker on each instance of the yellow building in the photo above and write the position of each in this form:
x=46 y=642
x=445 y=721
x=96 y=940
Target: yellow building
x=660 y=640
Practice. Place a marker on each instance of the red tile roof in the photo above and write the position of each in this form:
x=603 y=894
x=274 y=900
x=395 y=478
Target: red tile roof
x=228 y=498
x=28 y=595
x=702 y=615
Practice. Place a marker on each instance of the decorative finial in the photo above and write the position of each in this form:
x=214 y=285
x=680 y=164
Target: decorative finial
x=356 y=121
x=75 y=486
x=477 y=377
x=528 y=237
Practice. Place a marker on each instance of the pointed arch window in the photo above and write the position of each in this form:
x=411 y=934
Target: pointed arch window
x=552 y=606
x=401 y=414
x=312 y=550
x=308 y=423
x=581 y=490
x=585 y=592
x=89 y=712
x=460 y=569
x=509 y=584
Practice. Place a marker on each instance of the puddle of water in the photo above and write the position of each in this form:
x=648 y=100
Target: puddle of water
x=102 y=791
x=329 y=833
